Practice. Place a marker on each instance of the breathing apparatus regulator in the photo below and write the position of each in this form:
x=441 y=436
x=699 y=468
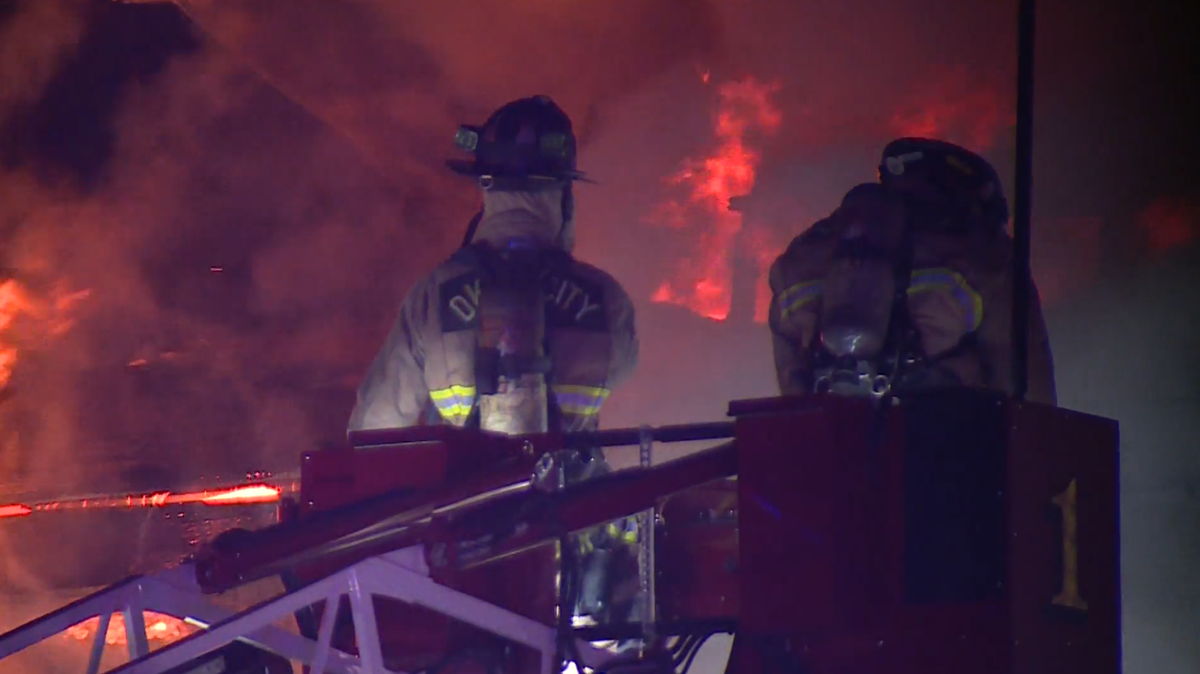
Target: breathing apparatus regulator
x=859 y=296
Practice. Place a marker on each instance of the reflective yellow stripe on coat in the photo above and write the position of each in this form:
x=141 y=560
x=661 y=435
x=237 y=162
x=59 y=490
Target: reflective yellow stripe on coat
x=950 y=281
x=584 y=401
x=623 y=531
x=796 y=297
x=454 y=403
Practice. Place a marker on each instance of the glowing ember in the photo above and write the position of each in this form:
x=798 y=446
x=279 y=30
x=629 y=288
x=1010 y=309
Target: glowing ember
x=703 y=282
x=159 y=627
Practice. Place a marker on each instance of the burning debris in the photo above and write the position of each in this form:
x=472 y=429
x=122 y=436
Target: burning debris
x=703 y=281
x=160 y=628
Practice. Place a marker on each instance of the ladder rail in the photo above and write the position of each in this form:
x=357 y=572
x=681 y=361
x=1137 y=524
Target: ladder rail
x=401 y=575
x=103 y=602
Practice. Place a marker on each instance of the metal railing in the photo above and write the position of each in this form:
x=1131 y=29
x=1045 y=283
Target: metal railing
x=400 y=574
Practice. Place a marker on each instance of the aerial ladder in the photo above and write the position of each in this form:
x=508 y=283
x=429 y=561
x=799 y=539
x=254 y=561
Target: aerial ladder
x=951 y=532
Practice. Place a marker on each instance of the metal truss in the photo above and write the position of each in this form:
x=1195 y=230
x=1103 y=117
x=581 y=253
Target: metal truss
x=401 y=575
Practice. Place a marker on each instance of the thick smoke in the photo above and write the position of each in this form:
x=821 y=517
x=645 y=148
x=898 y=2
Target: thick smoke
x=36 y=38
x=268 y=194
x=245 y=207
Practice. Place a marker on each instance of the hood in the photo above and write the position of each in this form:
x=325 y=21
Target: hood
x=535 y=216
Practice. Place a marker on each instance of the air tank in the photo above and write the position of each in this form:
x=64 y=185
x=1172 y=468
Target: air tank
x=512 y=347
x=860 y=286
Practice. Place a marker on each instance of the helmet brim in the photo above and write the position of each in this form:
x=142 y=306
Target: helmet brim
x=466 y=167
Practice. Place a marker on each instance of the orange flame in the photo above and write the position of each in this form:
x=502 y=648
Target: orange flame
x=703 y=282
x=14 y=510
x=259 y=493
x=159 y=627
x=12 y=303
x=52 y=315
x=246 y=495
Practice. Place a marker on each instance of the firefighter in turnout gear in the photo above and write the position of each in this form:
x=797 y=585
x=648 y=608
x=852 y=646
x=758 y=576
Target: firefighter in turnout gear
x=512 y=334
x=849 y=253
x=907 y=285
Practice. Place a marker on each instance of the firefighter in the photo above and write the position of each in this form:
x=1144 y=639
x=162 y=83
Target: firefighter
x=908 y=284
x=512 y=334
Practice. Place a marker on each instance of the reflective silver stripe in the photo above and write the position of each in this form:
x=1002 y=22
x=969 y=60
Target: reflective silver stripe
x=455 y=402
x=950 y=281
x=794 y=298
x=580 y=400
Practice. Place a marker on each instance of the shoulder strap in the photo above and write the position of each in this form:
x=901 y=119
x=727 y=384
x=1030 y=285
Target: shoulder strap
x=900 y=324
x=469 y=237
x=479 y=256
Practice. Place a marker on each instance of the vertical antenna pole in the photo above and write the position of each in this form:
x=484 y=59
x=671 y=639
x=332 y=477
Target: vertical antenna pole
x=646 y=522
x=1022 y=197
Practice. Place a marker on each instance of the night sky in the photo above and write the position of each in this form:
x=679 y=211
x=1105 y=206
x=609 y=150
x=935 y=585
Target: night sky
x=246 y=193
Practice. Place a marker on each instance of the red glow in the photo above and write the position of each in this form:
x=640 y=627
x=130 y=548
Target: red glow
x=1066 y=257
x=1169 y=223
x=16 y=510
x=955 y=105
x=13 y=302
x=702 y=282
x=663 y=294
x=764 y=248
